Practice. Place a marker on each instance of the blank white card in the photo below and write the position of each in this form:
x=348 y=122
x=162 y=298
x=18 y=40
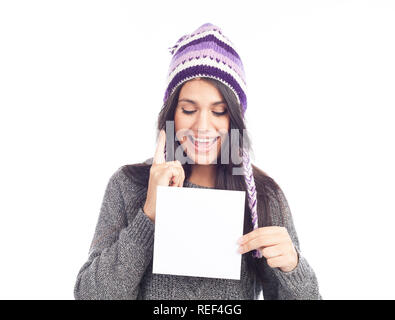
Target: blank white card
x=196 y=231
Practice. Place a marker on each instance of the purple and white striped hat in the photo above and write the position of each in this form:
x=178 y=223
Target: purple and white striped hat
x=207 y=52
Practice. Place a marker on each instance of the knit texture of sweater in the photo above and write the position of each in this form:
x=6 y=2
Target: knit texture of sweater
x=119 y=264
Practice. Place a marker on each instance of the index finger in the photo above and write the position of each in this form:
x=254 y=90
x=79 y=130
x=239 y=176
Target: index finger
x=159 y=156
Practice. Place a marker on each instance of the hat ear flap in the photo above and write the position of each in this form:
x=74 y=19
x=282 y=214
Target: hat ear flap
x=251 y=193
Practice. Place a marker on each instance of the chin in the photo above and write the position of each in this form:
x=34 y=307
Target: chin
x=203 y=159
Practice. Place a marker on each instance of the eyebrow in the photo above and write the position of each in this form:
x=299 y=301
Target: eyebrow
x=195 y=103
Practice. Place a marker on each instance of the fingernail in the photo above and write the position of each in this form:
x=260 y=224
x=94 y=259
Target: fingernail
x=240 y=240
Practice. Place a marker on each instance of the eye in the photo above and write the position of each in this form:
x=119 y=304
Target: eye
x=188 y=112
x=220 y=113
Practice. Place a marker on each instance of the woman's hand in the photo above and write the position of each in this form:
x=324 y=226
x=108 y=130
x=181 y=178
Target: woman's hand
x=162 y=173
x=274 y=243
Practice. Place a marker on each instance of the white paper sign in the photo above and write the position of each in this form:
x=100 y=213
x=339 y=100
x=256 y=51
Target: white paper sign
x=196 y=232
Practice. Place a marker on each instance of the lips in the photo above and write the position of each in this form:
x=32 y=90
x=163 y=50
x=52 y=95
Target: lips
x=203 y=144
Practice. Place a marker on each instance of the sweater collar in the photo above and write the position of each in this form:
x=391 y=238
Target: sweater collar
x=189 y=184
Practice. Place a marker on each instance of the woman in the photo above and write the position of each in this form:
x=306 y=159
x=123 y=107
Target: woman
x=205 y=100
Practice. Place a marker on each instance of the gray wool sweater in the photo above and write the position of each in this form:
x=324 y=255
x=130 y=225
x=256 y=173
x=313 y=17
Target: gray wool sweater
x=119 y=264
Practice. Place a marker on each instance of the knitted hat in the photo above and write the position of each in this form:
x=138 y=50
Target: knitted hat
x=208 y=53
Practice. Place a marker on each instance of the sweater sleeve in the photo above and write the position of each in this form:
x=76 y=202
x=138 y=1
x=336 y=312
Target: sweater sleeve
x=120 y=250
x=300 y=283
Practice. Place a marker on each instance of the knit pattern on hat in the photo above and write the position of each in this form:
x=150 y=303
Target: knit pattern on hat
x=207 y=52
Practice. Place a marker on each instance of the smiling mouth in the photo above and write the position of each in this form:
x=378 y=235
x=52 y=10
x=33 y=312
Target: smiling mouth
x=203 y=144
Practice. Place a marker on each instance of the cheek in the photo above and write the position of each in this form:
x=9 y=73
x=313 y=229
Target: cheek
x=181 y=121
x=223 y=126
x=224 y=123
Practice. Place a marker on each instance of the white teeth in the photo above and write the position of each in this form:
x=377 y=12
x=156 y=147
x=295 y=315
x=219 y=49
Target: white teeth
x=202 y=140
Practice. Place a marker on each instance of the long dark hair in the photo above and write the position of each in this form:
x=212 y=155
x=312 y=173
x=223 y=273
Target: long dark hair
x=225 y=180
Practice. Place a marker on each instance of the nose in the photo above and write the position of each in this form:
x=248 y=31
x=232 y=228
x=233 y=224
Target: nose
x=203 y=121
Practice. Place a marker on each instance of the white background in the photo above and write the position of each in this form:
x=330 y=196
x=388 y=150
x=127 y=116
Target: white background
x=81 y=85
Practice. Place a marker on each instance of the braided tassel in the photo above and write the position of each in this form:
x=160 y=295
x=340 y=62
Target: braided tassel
x=251 y=191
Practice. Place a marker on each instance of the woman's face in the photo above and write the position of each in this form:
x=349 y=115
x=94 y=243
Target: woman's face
x=201 y=120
